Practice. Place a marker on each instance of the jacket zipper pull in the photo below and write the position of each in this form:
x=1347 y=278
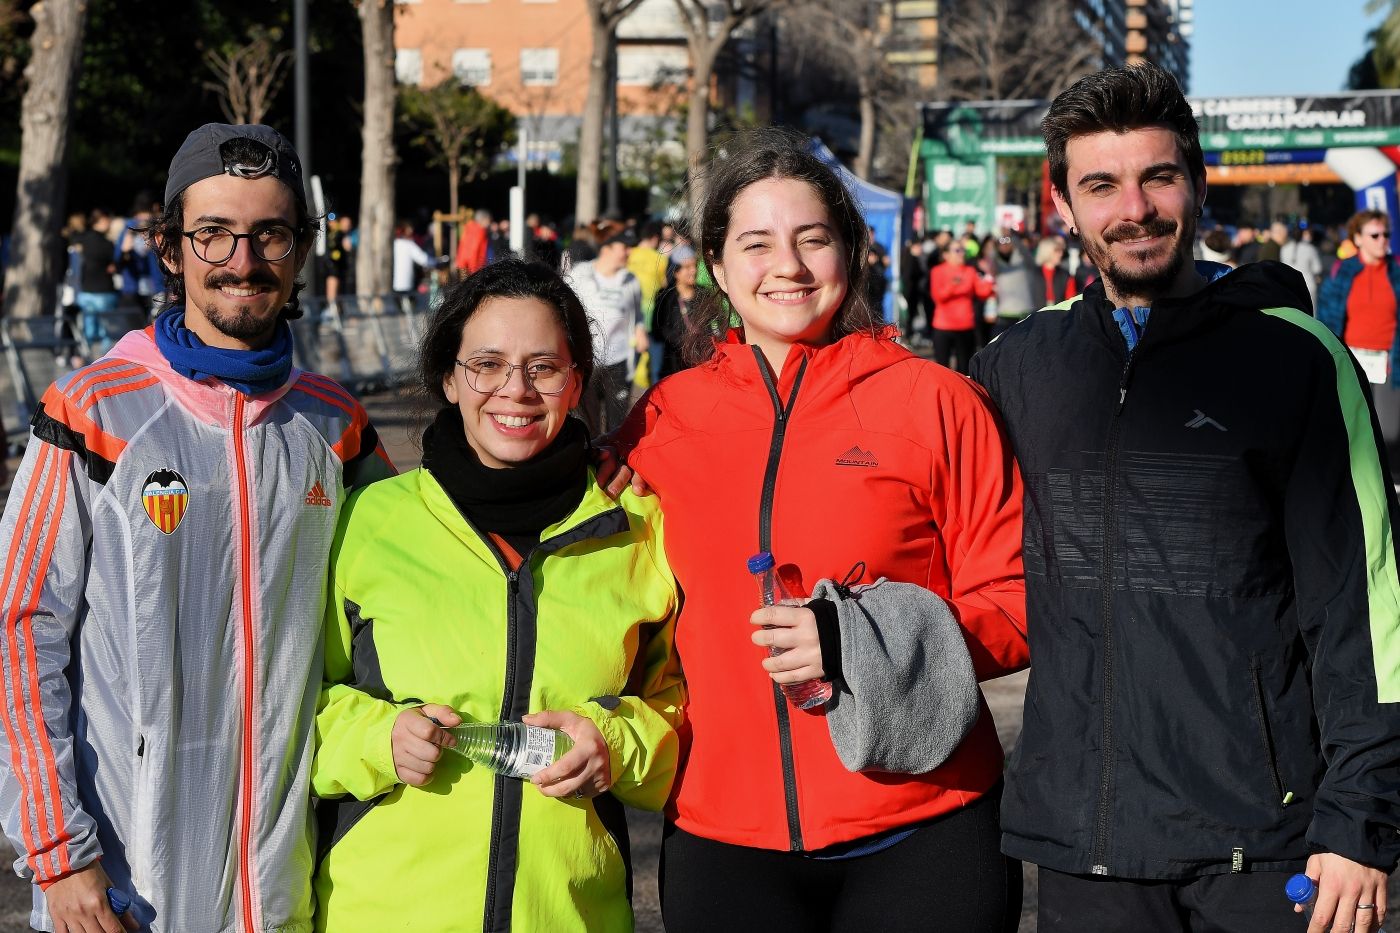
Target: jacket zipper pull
x=513 y=581
x=1123 y=384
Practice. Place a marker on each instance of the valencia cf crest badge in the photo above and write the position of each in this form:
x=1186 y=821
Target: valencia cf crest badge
x=165 y=497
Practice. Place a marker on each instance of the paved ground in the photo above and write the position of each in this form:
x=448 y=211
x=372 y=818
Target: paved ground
x=400 y=421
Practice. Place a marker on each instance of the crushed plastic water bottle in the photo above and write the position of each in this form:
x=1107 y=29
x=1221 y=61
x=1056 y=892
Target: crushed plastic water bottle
x=512 y=749
x=773 y=592
x=1300 y=889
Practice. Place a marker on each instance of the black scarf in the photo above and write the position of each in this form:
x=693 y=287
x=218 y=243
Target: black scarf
x=518 y=501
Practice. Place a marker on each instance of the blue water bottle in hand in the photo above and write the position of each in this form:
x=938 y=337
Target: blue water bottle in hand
x=118 y=901
x=773 y=592
x=1301 y=889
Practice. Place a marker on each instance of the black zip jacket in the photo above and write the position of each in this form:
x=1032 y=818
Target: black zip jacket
x=1211 y=588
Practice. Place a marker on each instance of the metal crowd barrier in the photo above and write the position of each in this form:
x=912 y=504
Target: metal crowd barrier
x=367 y=343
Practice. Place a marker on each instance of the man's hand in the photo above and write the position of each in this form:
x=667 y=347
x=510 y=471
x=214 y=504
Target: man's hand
x=793 y=630
x=78 y=903
x=417 y=741
x=582 y=771
x=1343 y=886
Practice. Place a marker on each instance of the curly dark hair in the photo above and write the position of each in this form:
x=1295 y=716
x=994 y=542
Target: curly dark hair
x=166 y=231
x=504 y=278
x=753 y=156
x=1126 y=97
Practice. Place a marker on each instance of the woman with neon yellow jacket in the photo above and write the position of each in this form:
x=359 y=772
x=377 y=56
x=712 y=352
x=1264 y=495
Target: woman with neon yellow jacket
x=497 y=582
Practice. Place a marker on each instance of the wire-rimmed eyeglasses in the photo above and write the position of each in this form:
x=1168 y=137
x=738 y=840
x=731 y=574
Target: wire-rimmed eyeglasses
x=491 y=374
x=270 y=242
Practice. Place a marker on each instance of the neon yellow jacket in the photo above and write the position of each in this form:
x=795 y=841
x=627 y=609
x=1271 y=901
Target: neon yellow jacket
x=423 y=610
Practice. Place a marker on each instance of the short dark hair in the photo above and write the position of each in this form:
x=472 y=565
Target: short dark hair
x=753 y=156
x=1122 y=98
x=504 y=278
x=166 y=231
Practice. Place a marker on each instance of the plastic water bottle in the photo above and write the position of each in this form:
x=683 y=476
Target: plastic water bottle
x=510 y=748
x=118 y=901
x=773 y=592
x=1300 y=889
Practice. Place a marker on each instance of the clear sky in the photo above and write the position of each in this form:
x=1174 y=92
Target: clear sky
x=1262 y=47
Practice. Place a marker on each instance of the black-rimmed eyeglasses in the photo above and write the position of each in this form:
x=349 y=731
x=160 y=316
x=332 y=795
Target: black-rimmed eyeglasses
x=270 y=243
x=490 y=374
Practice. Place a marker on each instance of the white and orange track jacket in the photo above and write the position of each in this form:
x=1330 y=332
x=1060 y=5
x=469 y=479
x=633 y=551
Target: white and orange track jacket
x=165 y=554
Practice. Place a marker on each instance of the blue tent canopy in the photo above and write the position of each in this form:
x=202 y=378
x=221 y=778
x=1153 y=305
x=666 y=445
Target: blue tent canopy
x=883 y=210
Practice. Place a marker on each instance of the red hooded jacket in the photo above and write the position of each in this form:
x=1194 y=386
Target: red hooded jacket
x=879 y=457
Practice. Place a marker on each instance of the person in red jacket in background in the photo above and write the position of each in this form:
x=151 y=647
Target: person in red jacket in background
x=1051 y=282
x=810 y=433
x=472 y=248
x=954 y=284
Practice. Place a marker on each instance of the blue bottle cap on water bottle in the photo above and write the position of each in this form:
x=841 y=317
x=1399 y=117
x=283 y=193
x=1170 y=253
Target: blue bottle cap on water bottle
x=1300 y=889
x=118 y=901
x=760 y=562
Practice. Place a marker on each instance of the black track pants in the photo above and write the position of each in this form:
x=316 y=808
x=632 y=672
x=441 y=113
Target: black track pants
x=1249 y=902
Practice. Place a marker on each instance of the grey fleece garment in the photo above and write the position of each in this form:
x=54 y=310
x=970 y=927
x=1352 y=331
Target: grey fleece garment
x=907 y=695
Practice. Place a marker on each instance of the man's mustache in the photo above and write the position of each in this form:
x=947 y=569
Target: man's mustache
x=1158 y=226
x=256 y=280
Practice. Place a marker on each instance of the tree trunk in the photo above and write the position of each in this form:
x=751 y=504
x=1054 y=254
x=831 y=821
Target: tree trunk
x=865 y=155
x=374 y=258
x=454 y=181
x=590 y=136
x=31 y=283
x=697 y=122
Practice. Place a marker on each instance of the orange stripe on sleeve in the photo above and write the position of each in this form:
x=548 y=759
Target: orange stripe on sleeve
x=327 y=391
x=80 y=385
x=66 y=412
x=60 y=836
x=111 y=391
x=327 y=384
x=19 y=732
x=23 y=522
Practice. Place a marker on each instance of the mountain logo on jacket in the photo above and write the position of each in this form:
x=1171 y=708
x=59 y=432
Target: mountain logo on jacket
x=856 y=457
x=166 y=497
x=1202 y=420
x=317 y=496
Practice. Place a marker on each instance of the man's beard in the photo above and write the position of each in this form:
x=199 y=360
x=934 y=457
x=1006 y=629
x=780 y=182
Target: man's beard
x=241 y=323
x=1143 y=281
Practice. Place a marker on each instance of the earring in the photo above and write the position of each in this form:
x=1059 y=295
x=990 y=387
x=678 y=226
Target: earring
x=1200 y=212
x=1074 y=231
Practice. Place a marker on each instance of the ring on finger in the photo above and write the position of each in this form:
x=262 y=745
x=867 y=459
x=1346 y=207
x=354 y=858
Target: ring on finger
x=1365 y=906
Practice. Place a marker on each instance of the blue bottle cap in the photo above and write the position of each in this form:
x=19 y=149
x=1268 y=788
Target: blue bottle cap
x=1300 y=889
x=760 y=562
x=118 y=901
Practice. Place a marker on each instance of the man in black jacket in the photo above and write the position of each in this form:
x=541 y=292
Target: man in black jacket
x=1211 y=571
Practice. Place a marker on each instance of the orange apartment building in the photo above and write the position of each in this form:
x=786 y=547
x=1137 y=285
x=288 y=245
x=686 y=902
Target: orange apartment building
x=531 y=56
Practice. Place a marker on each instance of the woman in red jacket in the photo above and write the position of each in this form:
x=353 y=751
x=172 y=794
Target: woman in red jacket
x=809 y=433
x=954 y=284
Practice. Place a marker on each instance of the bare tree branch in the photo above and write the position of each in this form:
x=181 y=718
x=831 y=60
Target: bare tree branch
x=1013 y=49
x=248 y=77
x=704 y=45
